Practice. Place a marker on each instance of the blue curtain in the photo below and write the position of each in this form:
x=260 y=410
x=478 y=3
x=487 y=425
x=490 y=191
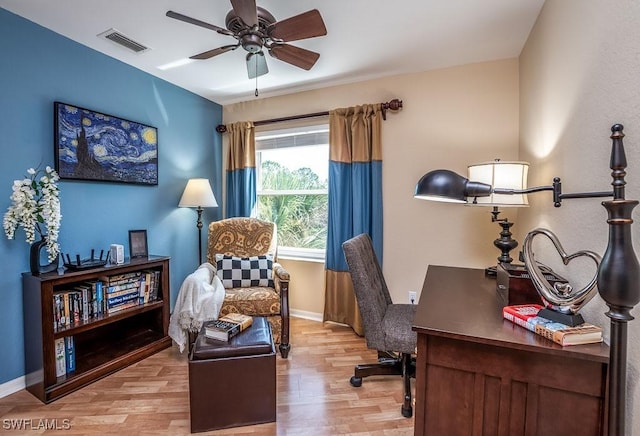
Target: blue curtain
x=241 y=170
x=355 y=202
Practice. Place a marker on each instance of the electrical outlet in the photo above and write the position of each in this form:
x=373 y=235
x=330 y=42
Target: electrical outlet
x=412 y=297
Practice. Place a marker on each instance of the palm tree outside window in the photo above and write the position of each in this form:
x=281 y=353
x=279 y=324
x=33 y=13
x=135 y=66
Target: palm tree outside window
x=292 y=187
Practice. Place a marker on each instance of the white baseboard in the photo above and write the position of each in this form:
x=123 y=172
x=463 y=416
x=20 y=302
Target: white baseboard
x=313 y=316
x=12 y=386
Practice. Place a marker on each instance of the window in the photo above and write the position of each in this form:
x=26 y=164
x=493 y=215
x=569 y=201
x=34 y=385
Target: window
x=292 y=168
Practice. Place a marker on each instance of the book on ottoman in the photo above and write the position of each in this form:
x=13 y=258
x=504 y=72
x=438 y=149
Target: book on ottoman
x=227 y=326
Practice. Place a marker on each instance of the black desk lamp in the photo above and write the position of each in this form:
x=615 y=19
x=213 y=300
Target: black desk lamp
x=198 y=194
x=619 y=271
x=508 y=174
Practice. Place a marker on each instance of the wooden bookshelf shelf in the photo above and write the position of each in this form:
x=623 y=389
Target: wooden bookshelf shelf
x=103 y=344
x=105 y=319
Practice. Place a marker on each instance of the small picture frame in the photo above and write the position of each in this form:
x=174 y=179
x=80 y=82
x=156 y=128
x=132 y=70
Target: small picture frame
x=138 y=244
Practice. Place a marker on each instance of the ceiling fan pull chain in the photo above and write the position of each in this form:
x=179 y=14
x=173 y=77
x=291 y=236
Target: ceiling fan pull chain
x=256 y=78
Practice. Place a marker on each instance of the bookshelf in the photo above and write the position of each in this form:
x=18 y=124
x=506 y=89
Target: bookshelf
x=104 y=343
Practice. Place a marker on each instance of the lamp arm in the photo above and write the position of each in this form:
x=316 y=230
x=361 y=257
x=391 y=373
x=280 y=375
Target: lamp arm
x=509 y=191
x=558 y=196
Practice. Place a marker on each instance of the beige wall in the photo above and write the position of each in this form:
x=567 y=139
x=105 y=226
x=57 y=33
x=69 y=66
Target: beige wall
x=307 y=278
x=451 y=117
x=580 y=74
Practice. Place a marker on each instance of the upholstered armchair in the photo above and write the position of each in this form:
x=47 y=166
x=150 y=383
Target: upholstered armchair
x=250 y=238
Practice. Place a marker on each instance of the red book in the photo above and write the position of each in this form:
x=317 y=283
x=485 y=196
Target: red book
x=521 y=313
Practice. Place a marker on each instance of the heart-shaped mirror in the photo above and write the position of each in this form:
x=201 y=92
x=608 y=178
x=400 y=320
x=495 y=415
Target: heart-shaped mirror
x=560 y=297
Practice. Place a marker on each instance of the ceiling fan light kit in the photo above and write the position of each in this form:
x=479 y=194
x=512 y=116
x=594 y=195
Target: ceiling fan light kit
x=256 y=29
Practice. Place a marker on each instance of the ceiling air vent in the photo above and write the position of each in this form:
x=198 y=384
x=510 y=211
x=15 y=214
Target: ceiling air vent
x=115 y=36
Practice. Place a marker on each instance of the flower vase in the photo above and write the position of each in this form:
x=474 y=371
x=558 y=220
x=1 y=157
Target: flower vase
x=38 y=251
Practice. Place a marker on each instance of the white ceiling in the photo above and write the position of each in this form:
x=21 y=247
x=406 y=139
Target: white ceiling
x=365 y=39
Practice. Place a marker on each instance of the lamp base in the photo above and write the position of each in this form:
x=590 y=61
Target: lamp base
x=571 y=320
x=492 y=271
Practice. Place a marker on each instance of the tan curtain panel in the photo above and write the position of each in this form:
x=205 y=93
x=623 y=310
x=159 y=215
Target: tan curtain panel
x=242 y=145
x=241 y=169
x=355 y=201
x=355 y=134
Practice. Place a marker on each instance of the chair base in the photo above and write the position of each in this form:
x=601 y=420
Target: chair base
x=390 y=364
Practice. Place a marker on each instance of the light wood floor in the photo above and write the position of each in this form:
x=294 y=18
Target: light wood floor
x=152 y=396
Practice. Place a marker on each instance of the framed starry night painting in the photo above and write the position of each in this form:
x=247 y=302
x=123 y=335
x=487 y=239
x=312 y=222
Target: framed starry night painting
x=90 y=145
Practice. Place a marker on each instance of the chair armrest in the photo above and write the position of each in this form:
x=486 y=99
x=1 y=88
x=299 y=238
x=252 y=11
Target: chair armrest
x=280 y=279
x=280 y=273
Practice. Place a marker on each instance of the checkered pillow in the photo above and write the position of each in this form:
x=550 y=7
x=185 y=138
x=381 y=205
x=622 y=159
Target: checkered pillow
x=242 y=272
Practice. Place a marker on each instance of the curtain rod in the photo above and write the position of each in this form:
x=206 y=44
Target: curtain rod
x=393 y=105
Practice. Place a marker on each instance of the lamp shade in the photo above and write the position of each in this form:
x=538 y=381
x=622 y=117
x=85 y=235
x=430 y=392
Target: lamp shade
x=198 y=193
x=501 y=174
x=445 y=185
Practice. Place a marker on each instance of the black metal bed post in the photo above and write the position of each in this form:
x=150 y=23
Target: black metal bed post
x=619 y=283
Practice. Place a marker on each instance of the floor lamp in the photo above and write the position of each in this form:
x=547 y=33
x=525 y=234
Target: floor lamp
x=198 y=194
x=618 y=273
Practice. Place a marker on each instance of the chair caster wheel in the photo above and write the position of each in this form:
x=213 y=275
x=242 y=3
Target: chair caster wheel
x=408 y=412
x=356 y=382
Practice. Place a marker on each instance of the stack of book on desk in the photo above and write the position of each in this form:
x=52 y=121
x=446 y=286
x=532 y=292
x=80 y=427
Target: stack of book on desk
x=525 y=315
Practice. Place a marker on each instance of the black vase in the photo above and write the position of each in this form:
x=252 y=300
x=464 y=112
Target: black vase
x=38 y=249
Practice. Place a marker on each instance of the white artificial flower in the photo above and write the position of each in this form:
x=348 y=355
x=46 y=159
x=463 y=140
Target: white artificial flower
x=36 y=208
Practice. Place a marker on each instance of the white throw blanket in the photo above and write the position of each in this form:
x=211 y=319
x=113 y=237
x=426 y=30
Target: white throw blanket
x=199 y=300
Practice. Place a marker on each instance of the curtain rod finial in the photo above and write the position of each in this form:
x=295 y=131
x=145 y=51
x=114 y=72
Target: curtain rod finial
x=394 y=104
x=221 y=128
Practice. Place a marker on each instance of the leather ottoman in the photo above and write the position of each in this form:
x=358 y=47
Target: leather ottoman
x=233 y=383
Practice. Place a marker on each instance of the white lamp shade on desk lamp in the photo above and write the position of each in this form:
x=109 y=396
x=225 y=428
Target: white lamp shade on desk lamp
x=506 y=175
x=503 y=174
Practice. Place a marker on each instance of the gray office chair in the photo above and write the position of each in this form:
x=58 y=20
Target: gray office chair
x=387 y=326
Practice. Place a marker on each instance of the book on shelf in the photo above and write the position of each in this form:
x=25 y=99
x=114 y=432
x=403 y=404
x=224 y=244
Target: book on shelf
x=69 y=354
x=66 y=307
x=99 y=306
x=153 y=281
x=119 y=299
x=59 y=319
x=525 y=315
x=75 y=307
x=85 y=300
x=141 y=292
x=227 y=326
x=118 y=308
x=59 y=352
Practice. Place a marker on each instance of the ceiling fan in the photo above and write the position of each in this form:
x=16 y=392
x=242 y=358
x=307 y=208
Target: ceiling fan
x=256 y=29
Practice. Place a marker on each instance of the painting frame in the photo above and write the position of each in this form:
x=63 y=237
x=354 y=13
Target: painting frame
x=95 y=146
x=138 y=247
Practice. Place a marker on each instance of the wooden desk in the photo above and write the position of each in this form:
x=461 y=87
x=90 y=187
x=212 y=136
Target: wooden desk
x=477 y=374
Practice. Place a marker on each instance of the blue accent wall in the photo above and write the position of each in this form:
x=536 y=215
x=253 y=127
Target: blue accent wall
x=38 y=67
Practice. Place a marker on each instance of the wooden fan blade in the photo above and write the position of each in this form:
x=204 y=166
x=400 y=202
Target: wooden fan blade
x=293 y=55
x=178 y=16
x=256 y=65
x=215 y=52
x=306 y=25
x=246 y=10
